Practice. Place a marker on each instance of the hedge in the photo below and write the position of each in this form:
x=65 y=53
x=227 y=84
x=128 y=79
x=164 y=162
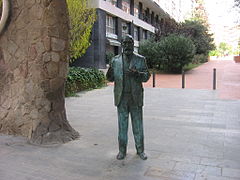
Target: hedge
x=80 y=79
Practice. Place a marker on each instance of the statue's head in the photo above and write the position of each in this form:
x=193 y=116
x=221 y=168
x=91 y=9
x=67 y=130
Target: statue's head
x=128 y=45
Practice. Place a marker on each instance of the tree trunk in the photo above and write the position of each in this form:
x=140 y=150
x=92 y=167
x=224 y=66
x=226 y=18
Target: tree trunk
x=33 y=69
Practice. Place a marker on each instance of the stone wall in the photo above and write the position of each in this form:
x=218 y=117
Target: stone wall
x=33 y=68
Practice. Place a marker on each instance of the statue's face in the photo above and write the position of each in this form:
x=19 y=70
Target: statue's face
x=128 y=46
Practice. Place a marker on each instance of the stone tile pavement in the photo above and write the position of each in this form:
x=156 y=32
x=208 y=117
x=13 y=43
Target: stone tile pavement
x=189 y=135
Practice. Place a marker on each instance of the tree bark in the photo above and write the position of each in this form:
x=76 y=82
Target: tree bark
x=33 y=69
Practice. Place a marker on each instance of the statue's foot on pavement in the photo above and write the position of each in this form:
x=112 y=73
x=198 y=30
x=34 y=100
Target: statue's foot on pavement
x=142 y=155
x=121 y=156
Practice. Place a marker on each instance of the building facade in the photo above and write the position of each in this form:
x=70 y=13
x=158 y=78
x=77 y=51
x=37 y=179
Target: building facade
x=116 y=18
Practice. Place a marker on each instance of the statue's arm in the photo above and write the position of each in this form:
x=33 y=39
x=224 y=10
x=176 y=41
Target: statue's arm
x=144 y=75
x=110 y=73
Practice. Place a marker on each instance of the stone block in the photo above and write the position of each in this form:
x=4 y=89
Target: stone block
x=47 y=57
x=56 y=83
x=29 y=4
x=45 y=85
x=55 y=57
x=32 y=52
x=49 y=18
x=40 y=47
x=47 y=43
x=22 y=20
x=36 y=11
x=63 y=69
x=52 y=69
x=35 y=34
x=12 y=47
x=53 y=31
x=57 y=44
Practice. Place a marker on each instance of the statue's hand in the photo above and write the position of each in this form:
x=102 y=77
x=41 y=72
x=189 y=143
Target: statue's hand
x=133 y=72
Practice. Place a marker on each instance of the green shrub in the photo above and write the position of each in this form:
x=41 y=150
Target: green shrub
x=175 y=51
x=191 y=66
x=109 y=56
x=214 y=53
x=148 y=50
x=79 y=79
x=200 y=58
x=199 y=34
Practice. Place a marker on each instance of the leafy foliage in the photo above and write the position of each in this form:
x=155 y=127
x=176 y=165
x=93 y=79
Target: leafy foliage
x=82 y=19
x=200 y=13
x=148 y=50
x=79 y=79
x=200 y=58
x=198 y=32
x=176 y=51
x=223 y=49
x=214 y=53
x=237 y=3
x=170 y=54
x=109 y=56
x=167 y=26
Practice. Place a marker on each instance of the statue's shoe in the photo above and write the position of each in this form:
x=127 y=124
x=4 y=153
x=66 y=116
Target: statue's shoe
x=142 y=155
x=121 y=156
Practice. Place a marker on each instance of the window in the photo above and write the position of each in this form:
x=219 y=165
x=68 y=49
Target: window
x=126 y=6
x=149 y=35
x=157 y=20
x=144 y=34
x=113 y=2
x=152 y=19
x=110 y=24
x=146 y=15
x=136 y=10
x=136 y=33
x=125 y=28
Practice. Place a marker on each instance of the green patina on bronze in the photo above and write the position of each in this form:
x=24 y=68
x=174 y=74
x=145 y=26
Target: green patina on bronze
x=128 y=70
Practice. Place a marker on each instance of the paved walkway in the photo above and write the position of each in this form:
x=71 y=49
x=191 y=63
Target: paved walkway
x=228 y=79
x=189 y=135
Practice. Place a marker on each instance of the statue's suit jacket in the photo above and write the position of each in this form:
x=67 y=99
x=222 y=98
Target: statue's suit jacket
x=115 y=74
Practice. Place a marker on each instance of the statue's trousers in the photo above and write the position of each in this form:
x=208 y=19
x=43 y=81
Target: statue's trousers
x=128 y=106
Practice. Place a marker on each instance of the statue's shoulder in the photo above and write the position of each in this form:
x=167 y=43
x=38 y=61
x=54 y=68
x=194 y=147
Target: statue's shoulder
x=138 y=56
x=116 y=58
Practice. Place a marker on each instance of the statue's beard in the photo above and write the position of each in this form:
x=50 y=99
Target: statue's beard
x=128 y=51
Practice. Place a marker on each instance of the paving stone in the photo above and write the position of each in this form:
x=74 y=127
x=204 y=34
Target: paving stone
x=211 y=177
x=220 y=163
x=229 y=172
x=199 y=169
x=169 y=174
x=180 y=158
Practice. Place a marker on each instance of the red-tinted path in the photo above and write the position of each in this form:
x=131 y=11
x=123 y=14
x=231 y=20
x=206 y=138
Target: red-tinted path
x=228 y=79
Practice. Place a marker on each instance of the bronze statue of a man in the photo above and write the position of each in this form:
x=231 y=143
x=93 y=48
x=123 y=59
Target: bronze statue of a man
x=128 y=70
